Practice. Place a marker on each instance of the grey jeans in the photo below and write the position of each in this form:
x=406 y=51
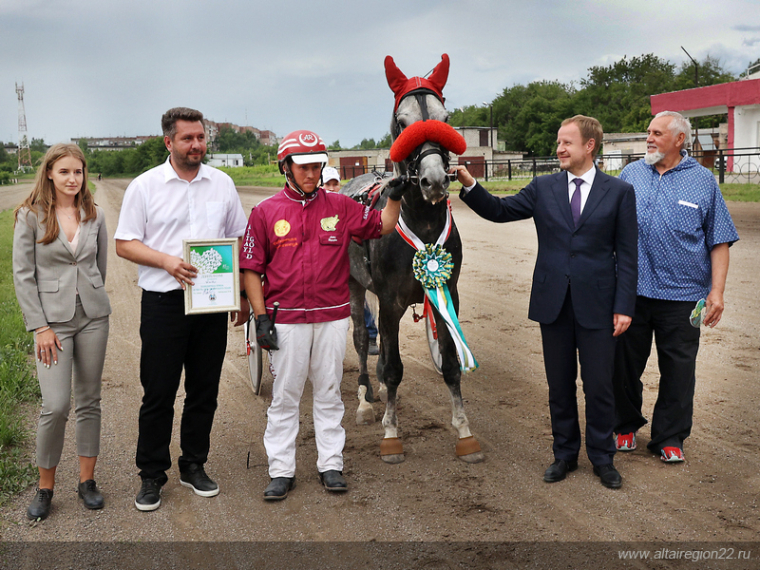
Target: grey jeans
x=81 y=360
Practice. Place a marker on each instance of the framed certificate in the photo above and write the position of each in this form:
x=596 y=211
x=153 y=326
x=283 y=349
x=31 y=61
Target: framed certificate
x=217 y=285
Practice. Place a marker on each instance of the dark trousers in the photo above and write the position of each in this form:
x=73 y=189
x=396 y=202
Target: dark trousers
x=677 y=344
x=565 y=343
x=172 y=340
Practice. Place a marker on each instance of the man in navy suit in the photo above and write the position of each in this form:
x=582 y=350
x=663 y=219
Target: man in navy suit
x=584 y=286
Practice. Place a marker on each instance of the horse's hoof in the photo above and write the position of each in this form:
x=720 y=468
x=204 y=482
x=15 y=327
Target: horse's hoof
x=365 y=415
x=396 y=458
x=477 y=457
x=382 y=393
x=468 y=450
x=391 y=450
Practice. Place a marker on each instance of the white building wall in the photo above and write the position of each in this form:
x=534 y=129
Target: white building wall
x=747 y=135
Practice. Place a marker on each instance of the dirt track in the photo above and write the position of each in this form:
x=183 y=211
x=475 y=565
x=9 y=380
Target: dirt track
x=432 y=496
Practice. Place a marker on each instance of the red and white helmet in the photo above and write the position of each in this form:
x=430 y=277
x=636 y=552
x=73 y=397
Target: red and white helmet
x=303 y=147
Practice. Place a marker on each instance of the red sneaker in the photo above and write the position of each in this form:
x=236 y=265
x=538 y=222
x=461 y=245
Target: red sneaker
x=672 y=455
x=625 y=441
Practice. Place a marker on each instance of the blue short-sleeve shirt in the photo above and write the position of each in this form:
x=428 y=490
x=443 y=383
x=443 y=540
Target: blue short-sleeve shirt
x=682 y=216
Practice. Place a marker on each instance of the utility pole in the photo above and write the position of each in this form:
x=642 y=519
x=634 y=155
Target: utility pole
x=696 y=84
x=24 y=154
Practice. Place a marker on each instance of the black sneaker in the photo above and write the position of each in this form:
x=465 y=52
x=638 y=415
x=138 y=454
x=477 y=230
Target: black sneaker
x=195 y=478
x=372 y=349
x=149 y=497
x=39 y=509
x=89 y=493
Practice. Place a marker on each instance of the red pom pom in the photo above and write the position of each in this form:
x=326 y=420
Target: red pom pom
x=422 y=131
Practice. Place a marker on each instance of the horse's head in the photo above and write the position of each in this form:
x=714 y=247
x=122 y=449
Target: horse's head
x=421 y=99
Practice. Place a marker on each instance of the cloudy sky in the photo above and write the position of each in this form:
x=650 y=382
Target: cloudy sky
x=111 y=68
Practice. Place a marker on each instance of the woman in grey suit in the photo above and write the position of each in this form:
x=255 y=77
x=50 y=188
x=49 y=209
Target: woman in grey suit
x=59 y=268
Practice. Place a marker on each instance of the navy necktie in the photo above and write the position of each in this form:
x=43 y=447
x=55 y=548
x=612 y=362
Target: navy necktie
x=575 y=201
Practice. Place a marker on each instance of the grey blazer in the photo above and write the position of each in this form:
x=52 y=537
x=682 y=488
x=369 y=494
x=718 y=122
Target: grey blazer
x=48 y=277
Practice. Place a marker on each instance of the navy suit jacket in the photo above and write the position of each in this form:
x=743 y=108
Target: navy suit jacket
x=598 y=260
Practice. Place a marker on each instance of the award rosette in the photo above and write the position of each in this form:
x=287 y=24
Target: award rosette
x=432 y=266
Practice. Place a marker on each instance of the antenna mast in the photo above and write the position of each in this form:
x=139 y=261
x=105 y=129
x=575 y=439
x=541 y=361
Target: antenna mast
x=24 y=154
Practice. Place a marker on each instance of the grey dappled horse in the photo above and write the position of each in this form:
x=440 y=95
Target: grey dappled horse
x=384 y=267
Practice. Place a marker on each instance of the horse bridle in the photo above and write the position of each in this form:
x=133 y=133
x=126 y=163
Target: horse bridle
x=415 y=157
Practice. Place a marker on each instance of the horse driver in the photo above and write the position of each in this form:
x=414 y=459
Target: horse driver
x=295 y=253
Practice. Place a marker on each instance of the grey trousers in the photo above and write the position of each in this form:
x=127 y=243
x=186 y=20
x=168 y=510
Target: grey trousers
x=81 y=360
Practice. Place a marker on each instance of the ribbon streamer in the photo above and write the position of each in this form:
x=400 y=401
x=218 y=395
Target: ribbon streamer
x=432 y=266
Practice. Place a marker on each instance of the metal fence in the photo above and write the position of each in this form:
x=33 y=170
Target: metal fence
x=739 y=165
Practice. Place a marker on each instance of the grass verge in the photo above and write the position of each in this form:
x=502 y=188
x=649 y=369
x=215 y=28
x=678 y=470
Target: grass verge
x=18 y=384
x=268 y=175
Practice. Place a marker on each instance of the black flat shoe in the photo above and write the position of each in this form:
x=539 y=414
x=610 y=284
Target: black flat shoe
x=333 y=481
x=39 y=509
x=89 y=493
x=559 y=470
x=278 y=488
x=609 y=476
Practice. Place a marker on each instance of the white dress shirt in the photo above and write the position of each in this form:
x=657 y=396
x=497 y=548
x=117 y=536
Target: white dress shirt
x=160 y=210
x=588 y=181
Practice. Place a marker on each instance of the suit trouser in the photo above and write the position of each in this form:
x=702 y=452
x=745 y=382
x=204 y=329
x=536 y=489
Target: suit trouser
x=565 y=342
x=172 y=340
x=80 y=363
x=677 y=346
x=314 y=351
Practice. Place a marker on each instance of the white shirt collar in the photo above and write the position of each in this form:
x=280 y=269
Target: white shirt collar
x=170 y=173
x=587 y=177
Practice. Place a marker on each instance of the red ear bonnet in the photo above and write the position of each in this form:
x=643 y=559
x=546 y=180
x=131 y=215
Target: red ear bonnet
x=401 y=85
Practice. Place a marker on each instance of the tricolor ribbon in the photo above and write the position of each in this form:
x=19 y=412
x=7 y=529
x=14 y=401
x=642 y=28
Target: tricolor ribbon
x=432 y=266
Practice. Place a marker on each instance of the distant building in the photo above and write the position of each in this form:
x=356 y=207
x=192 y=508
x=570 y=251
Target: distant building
x=10 y=148
x=112 y=143
x=230 y=160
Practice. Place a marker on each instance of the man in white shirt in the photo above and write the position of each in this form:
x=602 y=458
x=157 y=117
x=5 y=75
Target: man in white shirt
x=180 y=199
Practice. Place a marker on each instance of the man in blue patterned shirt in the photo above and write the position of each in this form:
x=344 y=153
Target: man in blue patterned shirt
x=685 y=231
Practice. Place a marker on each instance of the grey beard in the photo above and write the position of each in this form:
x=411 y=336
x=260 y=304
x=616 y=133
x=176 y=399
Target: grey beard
x=653 y=157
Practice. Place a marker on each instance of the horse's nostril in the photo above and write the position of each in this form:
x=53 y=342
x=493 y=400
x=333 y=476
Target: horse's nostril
x=424 y=182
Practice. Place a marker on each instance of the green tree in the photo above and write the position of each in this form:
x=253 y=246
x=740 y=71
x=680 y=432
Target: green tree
x=618 y=95
x=335 y=145
x=38 y=145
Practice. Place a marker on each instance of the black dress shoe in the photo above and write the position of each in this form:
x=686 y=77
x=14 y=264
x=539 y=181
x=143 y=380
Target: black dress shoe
x=333 y=481
x=559 y=470
x=278 y=488
x=89 y=493
x=39 y=509
x=609 y=476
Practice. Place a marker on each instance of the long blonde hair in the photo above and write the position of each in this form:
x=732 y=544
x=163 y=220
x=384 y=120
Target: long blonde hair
x=42 y=199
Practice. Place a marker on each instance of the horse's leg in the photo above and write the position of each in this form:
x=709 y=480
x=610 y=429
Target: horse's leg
x=468 y=448
x=364 y=413
x=391 y=448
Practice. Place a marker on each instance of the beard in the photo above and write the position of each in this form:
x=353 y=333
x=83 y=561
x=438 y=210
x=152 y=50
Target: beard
x=652 y=158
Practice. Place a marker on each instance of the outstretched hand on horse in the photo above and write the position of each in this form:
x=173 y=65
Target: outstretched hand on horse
x=398 y=187
x=463 y=175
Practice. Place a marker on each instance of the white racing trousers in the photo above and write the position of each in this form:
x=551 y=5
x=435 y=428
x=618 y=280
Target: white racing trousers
x=314 y=351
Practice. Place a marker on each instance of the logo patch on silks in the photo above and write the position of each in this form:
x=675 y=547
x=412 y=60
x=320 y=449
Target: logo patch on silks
x=281 y=228
x=329 y=224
